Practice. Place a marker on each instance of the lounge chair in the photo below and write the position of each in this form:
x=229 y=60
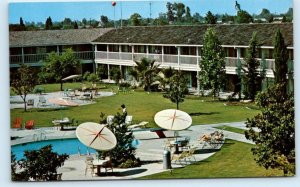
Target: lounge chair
x=42 y=101
x=30 y=102
x=214 y=139
x=29 y=124
x=142 y=124
x=168 y=144
x=17 y=123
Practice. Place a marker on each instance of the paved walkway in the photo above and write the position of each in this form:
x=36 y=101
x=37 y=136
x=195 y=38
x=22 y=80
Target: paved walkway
x=150 y=150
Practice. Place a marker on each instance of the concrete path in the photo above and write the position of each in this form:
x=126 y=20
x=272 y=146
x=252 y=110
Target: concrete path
x=150 y=151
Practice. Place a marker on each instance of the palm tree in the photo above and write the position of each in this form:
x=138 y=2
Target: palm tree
x=145 y=71
x=164 y=76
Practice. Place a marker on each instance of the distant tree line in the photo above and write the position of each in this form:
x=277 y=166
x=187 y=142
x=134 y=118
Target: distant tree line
x=176 y=14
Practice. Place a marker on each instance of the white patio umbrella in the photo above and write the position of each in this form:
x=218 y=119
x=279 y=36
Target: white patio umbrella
x=71 y=77
x=173 y=119
x=96 y=136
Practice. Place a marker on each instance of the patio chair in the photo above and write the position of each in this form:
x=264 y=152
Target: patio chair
x=42 y=101
x=89 y=165
x=109 y=119
x=168 y=144
x=29 y=125
x=17 y=123
x=30 y=102
x=181 y=157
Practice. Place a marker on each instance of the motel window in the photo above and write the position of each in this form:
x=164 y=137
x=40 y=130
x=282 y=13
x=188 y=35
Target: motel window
x=50 y=49
x=291 y=54
x=126 y=48
x=101 y=47
x=230 y=52
x=113 y=48
x=84 y=48
x=15 y=51
x=30 y=50
x=243 y=53
x=155 y=49
x=188 y=51
x=172 y=50
x=140 y=49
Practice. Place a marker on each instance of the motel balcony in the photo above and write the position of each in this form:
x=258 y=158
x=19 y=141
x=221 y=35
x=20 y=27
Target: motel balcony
x=183 y=62
x=37 y=59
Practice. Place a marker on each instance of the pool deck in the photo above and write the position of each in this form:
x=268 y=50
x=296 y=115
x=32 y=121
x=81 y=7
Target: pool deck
x=150 y=151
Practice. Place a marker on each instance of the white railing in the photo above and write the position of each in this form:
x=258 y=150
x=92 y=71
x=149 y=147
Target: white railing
x=113 y=55
x=125 y=56
x=188 y=60
x=35 y=58
x=139 y=56
x=100 y=55
x=156 y=57
x=170 y=58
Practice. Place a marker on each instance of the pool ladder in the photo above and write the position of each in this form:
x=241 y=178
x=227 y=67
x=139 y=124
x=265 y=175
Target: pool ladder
x=39 y=136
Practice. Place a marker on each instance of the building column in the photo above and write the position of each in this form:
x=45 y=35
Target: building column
x=239 y=72
x=162 y=54
x=121 y=72
x=147 y=51
x=57 y=49
x=132 y=51
x=23 y=57
x=107 y=51
x=108 y=72
x=198 y=82
x=120 y=49
x=178 y=51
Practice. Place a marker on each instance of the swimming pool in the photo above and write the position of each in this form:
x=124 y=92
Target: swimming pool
x=69 y=146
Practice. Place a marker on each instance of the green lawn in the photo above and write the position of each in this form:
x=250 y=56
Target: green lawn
x=231 y=129
x=233 y=160
x=141 y=105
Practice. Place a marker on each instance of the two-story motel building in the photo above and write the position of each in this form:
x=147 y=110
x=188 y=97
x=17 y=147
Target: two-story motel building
x=178 y=47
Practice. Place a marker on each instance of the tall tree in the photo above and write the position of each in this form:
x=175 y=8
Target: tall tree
x=59 y=66
x=22 y=25
x=243 y=17
x=210 y=18
x=23 y=82
x=170 y=12
x=177 y=88
x=212 y=73
x=75 y=25
x=188 y=16
x=123 y=155
x=281 y=57
x=145 y=71
x=48 y=24
x=136 y=19
x=179 y=9
x=275 y=138
x=104 y=21
x=251 y=77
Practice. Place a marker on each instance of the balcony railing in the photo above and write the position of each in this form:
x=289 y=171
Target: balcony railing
x=36 y=58
x=168 y=59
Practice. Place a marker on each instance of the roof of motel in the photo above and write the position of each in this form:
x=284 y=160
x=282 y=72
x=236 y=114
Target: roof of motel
x=54 y=37
x=228 y=34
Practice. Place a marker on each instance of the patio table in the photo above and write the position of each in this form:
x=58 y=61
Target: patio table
x=99 y=163
x=61 y=123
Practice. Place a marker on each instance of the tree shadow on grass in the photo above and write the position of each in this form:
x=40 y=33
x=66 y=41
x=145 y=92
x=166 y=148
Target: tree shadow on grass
x=205 y=151
x=202 y=113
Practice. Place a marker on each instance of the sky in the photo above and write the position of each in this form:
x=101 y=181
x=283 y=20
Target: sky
x=77 y=10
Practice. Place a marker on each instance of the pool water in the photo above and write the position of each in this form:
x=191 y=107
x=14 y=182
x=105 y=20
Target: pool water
x=60 y=146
